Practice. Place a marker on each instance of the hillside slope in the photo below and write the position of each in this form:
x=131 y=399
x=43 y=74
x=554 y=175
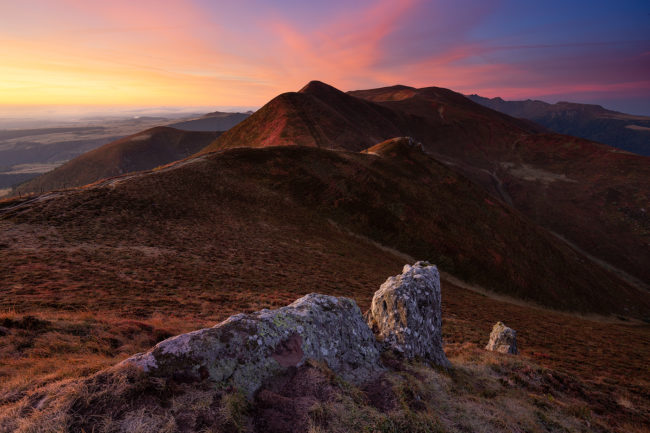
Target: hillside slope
x=394 y=195
x=142 y=151
x=590 y=194
x=316 y=116
x=93 y=275
x=593 y=122
x=216 y=121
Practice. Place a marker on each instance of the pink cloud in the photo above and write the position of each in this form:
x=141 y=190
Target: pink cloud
x=341 y=50
x=249 y=52
x=626 y=88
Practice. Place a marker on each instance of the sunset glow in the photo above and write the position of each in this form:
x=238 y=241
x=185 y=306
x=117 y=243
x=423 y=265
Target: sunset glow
x=182 y=53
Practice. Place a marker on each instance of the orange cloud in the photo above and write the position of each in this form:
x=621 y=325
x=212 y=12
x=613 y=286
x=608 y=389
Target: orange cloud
x=212 y=53
x=123 y=53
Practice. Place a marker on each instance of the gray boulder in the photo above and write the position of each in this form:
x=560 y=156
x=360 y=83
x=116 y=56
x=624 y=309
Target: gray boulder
x=247 y=349
x=405 y=314
x=502 y=339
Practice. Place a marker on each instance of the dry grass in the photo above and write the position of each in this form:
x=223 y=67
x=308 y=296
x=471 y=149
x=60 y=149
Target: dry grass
x=54 y=347
x=273 y=207
x=557 y=384
x=108 y=272
x=483 y=392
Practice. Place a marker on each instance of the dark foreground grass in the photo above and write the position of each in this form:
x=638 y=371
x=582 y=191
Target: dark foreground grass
x=482 y=392
x=566 y=378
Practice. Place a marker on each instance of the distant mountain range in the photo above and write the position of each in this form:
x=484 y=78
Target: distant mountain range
x=593 y=122
x=23 y=162
x=142 y=151
x=28 y=153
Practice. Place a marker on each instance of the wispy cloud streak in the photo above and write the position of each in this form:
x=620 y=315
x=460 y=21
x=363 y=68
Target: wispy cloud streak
x=191 y=52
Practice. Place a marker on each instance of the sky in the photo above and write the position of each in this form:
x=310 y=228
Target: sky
x=209 y=53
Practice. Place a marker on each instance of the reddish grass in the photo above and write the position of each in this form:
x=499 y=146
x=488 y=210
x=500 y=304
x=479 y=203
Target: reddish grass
x=595 y=198
x=199 y=225
x=112 y=270
x=595 y=386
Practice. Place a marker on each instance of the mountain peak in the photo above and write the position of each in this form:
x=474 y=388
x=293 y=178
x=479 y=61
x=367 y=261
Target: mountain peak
x=397 y=87
x=316 y=87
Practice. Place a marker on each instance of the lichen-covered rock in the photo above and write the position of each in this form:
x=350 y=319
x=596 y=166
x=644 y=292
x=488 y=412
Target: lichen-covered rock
x=502 y=339
x=247 y=349
x=405 y=314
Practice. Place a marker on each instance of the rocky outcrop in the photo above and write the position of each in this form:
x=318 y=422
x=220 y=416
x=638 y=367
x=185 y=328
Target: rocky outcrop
x=405 y=314
x=502 y=339
x=247 y=349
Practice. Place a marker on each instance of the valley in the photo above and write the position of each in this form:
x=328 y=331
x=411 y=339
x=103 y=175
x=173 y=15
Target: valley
x=27 y=153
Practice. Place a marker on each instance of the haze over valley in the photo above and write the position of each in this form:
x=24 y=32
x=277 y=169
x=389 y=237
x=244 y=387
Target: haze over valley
x=27 y=153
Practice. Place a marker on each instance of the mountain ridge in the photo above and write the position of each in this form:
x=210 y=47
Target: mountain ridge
x=385 y=198
x=574 y=187
x=590 y=121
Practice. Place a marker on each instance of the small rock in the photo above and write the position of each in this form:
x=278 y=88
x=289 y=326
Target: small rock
x=245 y=350
x=502 y=339
x=405 y=314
